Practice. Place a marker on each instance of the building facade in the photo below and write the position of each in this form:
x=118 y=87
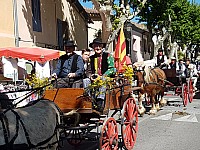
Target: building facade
x=136 y=41
x=42 y=23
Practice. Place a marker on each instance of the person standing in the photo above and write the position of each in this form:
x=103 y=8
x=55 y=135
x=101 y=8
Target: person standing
x=102 y=64
x=70 y=68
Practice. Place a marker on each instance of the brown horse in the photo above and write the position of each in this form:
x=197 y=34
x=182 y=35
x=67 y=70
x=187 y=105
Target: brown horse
x=152 y=83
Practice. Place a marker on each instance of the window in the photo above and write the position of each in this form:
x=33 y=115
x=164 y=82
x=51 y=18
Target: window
x=36 y=15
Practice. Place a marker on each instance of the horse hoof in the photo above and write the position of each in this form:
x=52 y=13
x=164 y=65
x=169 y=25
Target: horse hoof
x=152 y=111
x=141 y=111
x=163 y=103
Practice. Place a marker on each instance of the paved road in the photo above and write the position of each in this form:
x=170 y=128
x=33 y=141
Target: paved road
x=173 y=127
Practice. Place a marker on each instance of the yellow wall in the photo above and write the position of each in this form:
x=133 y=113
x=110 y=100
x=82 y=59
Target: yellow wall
x=6 y=23
x=76 y=23
x=50 y=11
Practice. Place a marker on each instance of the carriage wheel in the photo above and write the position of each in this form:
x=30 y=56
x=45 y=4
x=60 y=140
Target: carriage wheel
x=190 y=90
x=74 y=137
x=129 y=123
x=109 y=135
x=184 y=94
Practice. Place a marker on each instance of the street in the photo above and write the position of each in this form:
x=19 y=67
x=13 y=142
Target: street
x=173 y=127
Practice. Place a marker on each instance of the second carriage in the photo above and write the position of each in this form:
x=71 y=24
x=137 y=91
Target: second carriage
x=182 y=86
x=80 y=116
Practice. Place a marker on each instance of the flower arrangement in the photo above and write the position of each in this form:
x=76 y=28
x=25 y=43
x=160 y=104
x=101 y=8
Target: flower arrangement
x=35 y=82
x=128 y=73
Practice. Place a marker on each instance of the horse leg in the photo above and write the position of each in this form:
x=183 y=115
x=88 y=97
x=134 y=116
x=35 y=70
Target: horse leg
x=141 y=109
x=153 y=108
x=163 y=102
x=157 y=96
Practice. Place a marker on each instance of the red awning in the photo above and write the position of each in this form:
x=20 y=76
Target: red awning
x=34 y=53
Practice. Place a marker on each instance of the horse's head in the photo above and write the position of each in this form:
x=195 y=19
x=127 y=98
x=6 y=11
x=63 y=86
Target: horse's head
x=139 y=74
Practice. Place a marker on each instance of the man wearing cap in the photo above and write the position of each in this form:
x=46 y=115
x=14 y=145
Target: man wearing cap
x=102 y=64
x=70 y=68
x=172 y=64
x=160 y=59
x=180 y=69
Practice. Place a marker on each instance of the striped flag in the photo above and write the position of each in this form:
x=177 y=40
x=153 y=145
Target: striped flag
x=120 y=50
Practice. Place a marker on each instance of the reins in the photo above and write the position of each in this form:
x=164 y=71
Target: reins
x=32 y=91
x=10 y=144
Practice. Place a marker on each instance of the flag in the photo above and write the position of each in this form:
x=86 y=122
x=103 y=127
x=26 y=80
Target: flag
x=120 y=50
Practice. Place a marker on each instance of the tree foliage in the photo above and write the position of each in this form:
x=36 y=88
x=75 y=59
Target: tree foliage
x=114 y=13
x=180 y=18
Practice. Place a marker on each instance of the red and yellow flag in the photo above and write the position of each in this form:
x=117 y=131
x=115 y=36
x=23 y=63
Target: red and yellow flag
x=120 y=50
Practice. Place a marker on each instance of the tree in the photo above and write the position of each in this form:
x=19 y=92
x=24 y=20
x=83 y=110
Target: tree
x=114 y=13
x=178 y=18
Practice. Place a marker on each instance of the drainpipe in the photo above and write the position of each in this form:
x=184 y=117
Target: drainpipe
x=16 y=29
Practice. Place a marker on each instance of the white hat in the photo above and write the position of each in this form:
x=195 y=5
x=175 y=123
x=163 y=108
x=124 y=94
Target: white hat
x=173 y=57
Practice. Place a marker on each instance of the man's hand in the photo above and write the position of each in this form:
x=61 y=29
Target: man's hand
x=94 y=76
x=54 y=76
x=71 y=75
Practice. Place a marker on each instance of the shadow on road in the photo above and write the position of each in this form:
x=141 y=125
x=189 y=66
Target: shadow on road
x=197 y=95
x=87 y=145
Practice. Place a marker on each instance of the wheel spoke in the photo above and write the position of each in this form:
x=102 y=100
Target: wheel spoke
x=130 y=123
x=109 y=135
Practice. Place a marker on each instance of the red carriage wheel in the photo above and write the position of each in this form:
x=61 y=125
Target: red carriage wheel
x=109 y=135
x=184 y=94
x=129 y=123
x=190 y=90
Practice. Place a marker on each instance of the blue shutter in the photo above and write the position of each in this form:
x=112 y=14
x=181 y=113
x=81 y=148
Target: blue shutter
x=60 y=34
x=36 y=19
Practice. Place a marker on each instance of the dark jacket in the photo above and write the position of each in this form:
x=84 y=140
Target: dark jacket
x=64 y=66
x=87 y=71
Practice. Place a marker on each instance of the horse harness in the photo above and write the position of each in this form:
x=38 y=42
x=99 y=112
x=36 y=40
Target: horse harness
x=9 y=145
x=156 y=83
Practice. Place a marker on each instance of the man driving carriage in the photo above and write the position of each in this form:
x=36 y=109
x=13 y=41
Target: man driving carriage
x=70 y=68
x=161 y=59
x=102 y=64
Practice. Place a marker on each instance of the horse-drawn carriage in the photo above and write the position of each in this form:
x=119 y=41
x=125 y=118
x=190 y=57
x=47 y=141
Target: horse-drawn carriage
x=80 y=116
x=182 y=86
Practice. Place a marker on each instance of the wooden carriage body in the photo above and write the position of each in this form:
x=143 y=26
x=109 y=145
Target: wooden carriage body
x=69 y=99
x=117 y=99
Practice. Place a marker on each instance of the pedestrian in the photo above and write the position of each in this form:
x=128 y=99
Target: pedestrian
x=102 y=64
x=70 y=68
